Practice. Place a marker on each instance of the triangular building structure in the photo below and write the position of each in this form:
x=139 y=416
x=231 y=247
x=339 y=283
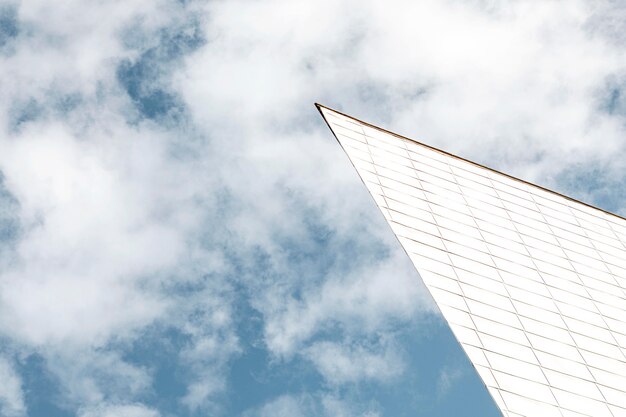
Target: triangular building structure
x=531 y=282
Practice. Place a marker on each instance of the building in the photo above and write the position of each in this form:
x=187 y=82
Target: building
x=531 y=282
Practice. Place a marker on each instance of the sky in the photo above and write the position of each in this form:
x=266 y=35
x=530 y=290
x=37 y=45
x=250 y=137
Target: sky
x=180 y=234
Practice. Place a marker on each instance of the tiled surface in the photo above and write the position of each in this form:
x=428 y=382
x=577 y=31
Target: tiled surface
x=532 y=284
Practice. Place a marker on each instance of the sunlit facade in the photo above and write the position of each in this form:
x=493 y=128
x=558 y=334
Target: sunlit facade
x=532 y=283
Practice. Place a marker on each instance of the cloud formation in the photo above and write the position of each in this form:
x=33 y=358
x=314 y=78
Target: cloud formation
x=169 y=198
x=11 y=395
x=132 y=410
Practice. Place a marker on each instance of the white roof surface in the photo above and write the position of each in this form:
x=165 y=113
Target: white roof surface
x=532 y=283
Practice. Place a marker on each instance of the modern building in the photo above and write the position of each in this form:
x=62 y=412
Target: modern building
x=531 y=282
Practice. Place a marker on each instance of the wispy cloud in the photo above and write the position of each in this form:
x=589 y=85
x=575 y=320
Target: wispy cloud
x=340 y=363
x=447 y=378
x=11 y=395
x=162 y=166
x=307 y=405
x=129 y=410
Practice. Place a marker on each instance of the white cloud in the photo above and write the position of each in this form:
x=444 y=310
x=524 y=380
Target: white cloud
x=108 y=211
x=127 y=410
x=11 y=395
x=79 y=42
x=306 y=405
x=447 y=378
x=341 y=363
x=521 y=84
x=209 y=326
x=519 y=79
x=363 y=301
x=284 y=406
x=114 y=214
x=336 y=407
x=92 y=227
x=89 y=378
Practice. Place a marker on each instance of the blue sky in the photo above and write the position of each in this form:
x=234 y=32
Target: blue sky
x=180 y=235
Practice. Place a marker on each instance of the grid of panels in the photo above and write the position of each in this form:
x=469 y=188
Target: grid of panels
x=533 y=284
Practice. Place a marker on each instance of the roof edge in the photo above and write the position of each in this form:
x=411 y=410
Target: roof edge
x=321 y=106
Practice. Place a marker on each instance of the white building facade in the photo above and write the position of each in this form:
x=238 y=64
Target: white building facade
x=532 y=283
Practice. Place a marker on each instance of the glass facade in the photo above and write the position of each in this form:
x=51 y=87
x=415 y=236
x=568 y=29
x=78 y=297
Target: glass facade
x=532 y=283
